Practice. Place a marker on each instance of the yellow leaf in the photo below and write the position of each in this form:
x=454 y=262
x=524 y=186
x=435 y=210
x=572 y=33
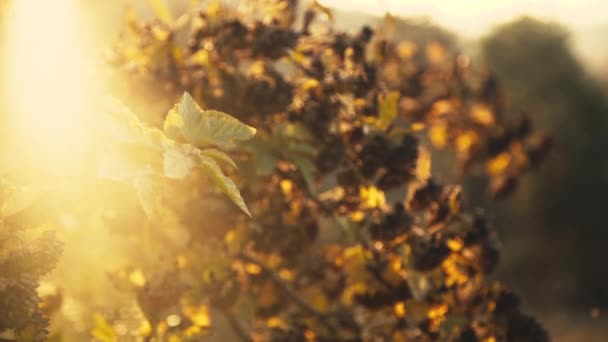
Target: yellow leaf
x=160 y=34
x=435 y=52
x=201 y=57
x=348 y=295
x=454 y=274
x=438 y=133
x=145 y=329
x=355 y=261
x=482 y=114
x=394 y=273
x=437 y=311
x=286 y=274
x=436 y=315
x=174 y=338
x=406 y=49
x=253 y=268
x=286 y=187
x=399 y=309
x=441 y=108
x=388 y=108
x=276 y=322
x=417 y=126
x=357 y=216
x=236 y=238
x=372 y=197
x=199 y=315
x=454 y=199
x=455 y=244
x=102 y=330
x=310 y=335
x=309 y=84
x=465 y=141
x=499 y=163
x=317 y=298
x=137 y=278
x=423 y=165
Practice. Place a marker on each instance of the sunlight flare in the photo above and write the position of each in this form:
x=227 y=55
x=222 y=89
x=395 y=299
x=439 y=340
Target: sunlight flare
x=49 y=70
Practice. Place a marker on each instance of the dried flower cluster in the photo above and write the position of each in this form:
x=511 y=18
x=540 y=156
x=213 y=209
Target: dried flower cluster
x=350 y=237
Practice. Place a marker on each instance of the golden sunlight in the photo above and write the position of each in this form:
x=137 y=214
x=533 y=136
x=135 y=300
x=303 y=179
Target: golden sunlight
x=48 y=82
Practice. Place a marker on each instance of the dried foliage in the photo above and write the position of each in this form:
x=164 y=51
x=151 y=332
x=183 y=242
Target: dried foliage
x=350 y=237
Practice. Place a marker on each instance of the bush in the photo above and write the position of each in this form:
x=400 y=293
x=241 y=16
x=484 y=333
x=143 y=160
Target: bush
x=339 y=231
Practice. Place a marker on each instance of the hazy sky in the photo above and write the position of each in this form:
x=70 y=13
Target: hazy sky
x=472 y=17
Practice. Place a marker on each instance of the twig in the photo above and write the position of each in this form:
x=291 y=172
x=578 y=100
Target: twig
x=236 y=326
x=291 y=293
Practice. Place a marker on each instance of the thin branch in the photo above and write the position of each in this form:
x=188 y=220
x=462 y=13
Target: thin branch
x=236 y=326
x=286 y=288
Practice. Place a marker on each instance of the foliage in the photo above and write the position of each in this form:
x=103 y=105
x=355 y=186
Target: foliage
x=346 y=235
x=26 y=254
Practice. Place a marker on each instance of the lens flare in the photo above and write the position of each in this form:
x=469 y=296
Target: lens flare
x=49 y=83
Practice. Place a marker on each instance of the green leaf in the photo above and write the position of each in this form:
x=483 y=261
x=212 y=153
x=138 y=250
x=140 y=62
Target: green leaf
x=264 y=157
x=307 y=168
x=388 y=104
x=17 y=201
x=176 y=163
x=213 y=170
x=219 y=155
x=301 y=148
x=204 y=128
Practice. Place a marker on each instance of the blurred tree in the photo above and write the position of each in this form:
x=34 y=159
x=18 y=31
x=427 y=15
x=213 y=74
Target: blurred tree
x=536 y=65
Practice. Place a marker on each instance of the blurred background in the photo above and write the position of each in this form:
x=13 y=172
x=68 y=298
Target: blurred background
x=551 y=58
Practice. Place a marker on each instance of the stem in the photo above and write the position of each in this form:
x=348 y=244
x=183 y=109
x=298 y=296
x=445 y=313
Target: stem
x=236 y=326
x=286 y=288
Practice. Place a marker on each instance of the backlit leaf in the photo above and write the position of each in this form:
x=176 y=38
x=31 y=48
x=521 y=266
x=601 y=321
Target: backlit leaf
x=213 y=170
x=173 y=124
x=219 y=155
x=176 y=163
x=203 y=128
